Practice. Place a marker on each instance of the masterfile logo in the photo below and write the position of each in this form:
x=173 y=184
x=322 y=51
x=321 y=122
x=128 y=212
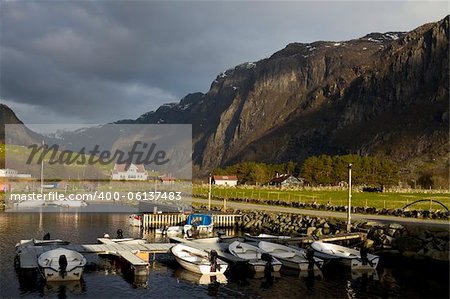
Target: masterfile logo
x=128 y=166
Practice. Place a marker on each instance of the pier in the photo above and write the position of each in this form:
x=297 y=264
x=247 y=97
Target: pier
x=27 y=255
x=170 y=219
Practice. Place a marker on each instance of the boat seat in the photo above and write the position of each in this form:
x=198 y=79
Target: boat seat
x=284 y=254
x=250 y=255
x=240 y=250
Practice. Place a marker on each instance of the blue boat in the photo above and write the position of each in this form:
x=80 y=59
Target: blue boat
x=202 y=223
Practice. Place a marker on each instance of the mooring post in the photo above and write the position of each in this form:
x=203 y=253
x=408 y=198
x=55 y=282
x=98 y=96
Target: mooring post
x=349 y=217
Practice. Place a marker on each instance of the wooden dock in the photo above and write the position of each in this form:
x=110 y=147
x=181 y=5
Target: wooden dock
x=28 y=255
x=171 y=219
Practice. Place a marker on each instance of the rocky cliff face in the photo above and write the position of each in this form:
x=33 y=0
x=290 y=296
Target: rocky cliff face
x=20 y=133
x=7 y=116
x=383 y=94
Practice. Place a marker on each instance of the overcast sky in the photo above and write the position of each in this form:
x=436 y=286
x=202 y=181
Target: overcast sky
x=101 y=61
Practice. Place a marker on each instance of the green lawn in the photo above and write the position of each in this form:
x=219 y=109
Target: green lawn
x=387 y=200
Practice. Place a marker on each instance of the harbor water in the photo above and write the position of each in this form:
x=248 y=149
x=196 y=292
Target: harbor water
x=394 y=278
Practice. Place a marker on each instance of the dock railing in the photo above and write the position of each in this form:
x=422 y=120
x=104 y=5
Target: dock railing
x=170 y=219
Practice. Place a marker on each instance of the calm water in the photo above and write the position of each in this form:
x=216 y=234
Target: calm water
x=396 y=278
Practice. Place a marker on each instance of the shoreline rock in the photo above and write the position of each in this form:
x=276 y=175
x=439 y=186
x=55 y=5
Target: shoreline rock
x=422 y=214
x=408 y=241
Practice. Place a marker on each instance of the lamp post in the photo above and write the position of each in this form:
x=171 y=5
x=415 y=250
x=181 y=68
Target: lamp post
x=349 y=207
x=42 y=169
x=209 y=191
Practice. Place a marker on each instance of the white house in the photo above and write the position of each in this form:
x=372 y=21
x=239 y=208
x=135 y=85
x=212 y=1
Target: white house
x=12 y=173
x=129 y=172
x=286 y=180
x=8 y=173
x=225 y=180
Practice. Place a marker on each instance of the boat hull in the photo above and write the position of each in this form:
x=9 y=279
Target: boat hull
x=290 y=257
x=259 y=267
x=196 y=260
x=52 y=275
x=203 y=269
x=253 y=255
x=298 y=265
x=353 y=260
x=51 y=262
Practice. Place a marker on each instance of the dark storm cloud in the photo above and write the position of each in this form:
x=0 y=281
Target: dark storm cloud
x=102 y=61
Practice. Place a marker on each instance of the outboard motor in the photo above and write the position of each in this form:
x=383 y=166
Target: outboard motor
x=164 y=230
x=364 y=258
x=119 y=234
x=46 y=236
x=268 y=259
x=62 y=265
x=310 y=257
x=213 y=261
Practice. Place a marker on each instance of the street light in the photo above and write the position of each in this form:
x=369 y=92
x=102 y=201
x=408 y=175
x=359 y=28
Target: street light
x=209 y=191
x=349 y=217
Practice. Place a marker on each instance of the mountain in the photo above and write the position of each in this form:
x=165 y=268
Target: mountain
x=384 y=94
x=7 y=116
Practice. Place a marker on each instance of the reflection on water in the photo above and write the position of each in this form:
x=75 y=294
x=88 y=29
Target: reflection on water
x=64 y=289
x=204 y=279
x=394 y=278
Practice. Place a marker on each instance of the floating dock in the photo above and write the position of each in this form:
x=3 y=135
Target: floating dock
x=27 y=255
x=137 y=255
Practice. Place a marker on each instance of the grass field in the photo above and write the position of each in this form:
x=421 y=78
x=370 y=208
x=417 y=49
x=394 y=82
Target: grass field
x=389 y=200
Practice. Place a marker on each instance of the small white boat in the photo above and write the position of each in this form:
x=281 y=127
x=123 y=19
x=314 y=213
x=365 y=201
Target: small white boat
x=202 y=223
x=135 y=220
x=290 y=257
x=29 y=204
x=347 y=256
x=62 y=265
x=170 y=231
x=265 y=237
x=254 y=256
x=67 y=203
x=197 y=260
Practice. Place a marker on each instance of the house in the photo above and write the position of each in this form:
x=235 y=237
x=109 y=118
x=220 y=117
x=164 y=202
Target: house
x=167 y=180
x=8 y=173
x=12 y=173
x=129 y=172
x=285 y=180
x=225 y=180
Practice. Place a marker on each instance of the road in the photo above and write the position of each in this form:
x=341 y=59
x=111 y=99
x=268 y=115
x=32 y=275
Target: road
x=328 y=214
